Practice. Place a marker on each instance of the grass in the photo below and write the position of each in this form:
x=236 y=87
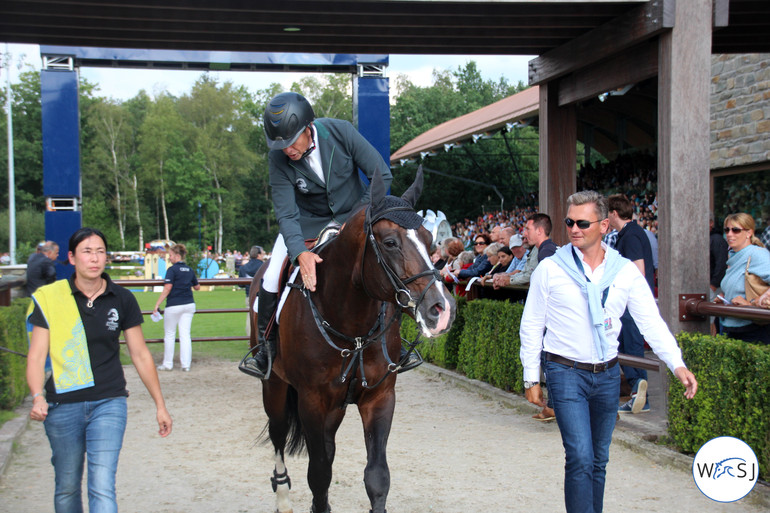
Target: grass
x=203 y=325
x=5 y=416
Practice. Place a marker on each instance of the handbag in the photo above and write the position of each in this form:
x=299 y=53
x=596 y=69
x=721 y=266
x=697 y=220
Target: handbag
x=754 y=285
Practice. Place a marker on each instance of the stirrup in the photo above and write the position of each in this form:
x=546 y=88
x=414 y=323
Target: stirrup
x=413 y=359
x=248 y=365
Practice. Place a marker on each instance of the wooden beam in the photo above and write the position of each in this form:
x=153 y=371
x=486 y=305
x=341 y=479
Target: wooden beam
x=623 y=32
x=558 y=158
x=629 y=67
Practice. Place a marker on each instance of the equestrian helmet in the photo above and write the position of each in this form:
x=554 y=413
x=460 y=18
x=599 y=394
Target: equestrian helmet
x=286 y=117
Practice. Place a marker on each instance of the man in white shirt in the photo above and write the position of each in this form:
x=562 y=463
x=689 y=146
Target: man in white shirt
x=572 y=312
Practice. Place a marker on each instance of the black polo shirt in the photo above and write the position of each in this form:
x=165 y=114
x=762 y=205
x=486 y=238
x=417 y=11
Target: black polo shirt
x=113 y=311
x=633 y=244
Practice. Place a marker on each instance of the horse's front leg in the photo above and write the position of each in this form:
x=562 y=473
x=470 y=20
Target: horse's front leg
x=377 y=417
x=320 y=421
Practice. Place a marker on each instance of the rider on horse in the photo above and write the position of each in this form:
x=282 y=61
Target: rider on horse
x=313 y=166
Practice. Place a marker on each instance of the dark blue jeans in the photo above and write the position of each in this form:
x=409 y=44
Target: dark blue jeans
x=92 y=428
x=586 y=405
x=631 y=342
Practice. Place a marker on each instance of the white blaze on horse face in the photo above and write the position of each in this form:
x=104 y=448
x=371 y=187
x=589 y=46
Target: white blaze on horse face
x=443 y=321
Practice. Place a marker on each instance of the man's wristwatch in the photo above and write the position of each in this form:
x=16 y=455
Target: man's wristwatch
x=530 y=384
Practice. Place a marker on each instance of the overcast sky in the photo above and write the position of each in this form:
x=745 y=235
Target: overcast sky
x=125 y=83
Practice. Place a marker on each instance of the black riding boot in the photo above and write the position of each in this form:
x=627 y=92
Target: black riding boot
x=257 y=366
x=414 y=360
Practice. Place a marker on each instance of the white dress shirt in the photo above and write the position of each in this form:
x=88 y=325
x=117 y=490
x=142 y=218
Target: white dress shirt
x=556 y=302
x=314 y=159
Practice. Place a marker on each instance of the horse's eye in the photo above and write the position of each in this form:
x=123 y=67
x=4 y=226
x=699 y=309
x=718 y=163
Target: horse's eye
x=390 y=243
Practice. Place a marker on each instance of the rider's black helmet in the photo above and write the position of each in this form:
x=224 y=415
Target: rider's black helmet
x=286 y=116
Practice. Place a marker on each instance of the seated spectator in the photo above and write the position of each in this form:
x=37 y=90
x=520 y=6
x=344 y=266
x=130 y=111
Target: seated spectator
x=448 y=250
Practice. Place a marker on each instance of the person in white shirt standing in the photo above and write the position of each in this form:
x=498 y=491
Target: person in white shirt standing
x=573 y=313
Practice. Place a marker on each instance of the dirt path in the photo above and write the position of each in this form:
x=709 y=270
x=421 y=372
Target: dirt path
x=450 y=451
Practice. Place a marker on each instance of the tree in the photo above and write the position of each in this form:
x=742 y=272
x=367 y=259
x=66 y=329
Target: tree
x=222 y=124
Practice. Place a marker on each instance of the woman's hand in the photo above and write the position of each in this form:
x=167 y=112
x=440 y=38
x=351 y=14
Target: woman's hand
x=740 y=301
x=39 y=409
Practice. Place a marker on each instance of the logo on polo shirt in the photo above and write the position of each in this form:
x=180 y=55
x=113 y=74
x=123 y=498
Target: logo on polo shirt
x=112 y=319
x=725 y=469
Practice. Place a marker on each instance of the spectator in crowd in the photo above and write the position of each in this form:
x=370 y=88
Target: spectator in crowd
x=463 y=261
x=519 y=251
x=611 y=238
x=538 y=232
x=180 y=308
x=633 y=244
x=718 y=251
x=248 y=270
x=565 y=316
x=493 y=255
x=481 y=264
x=448 y=249
x=746 y=250
x=41 y=267
x=83 y=403
x=765 y=236
x=505 y=235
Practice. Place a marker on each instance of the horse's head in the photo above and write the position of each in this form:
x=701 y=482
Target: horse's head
x=402 y=270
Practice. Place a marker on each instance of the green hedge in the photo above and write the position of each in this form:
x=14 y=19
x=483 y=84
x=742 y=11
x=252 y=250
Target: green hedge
x=733 y=387
x=13 y=381
x=733 y=376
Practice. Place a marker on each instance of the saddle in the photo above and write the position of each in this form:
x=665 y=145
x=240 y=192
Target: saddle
x=288 y=269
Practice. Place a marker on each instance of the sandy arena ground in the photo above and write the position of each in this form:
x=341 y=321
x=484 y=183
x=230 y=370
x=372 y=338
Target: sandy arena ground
x=450 y=451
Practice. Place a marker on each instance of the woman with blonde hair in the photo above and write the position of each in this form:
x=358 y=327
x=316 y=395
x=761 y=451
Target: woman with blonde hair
x=180 y=308
x=746 y=250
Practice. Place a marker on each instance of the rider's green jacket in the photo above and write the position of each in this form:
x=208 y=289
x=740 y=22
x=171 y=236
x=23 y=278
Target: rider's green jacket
x=303 y=204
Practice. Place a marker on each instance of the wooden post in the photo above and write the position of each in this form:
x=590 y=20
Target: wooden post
x=558 y=158
x=683 y=159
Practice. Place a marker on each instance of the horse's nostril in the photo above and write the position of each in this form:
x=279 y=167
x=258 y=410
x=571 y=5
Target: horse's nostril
x=436 y=310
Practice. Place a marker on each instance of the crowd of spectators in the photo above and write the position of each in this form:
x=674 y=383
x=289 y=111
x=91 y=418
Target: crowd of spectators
x=634 y=175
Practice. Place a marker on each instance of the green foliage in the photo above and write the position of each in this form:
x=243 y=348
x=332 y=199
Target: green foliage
x=508 y=161
x=30 y=229
x=733 y=386
x=13 y=335
x=489 y=344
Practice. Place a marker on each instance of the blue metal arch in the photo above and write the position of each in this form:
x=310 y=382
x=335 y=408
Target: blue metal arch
x=61 y=121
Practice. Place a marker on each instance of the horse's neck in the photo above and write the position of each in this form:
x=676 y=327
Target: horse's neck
x=341 y=291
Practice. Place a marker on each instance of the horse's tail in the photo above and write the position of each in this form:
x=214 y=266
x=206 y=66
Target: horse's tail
x=295 y=438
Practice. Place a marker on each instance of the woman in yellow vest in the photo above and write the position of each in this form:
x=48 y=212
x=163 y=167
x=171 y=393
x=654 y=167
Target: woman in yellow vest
x=77 y=322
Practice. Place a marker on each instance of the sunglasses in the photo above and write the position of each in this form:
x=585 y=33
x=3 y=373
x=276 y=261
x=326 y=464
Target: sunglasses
x=479 y=243
x=581 y=223
x=733 y=229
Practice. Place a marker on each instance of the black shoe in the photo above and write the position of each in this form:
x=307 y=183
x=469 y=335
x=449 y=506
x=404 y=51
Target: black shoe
x=413 y=360
x=255 y=365
x=259 y=364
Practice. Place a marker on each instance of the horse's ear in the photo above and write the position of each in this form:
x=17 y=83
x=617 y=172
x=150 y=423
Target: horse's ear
x=378 y=190
x=412 y=194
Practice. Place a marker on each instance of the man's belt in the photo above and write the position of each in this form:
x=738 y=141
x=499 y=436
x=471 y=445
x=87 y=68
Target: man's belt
x=591 y=367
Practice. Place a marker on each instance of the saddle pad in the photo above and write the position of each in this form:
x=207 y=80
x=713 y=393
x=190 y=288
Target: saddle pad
x=284 y=295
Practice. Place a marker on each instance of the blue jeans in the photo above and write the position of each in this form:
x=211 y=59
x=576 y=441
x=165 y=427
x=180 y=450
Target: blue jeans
x=586 y=405
x=631 y=341
x=93 y=428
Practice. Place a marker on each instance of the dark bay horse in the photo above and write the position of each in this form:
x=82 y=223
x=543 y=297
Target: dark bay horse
x=340 y=344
